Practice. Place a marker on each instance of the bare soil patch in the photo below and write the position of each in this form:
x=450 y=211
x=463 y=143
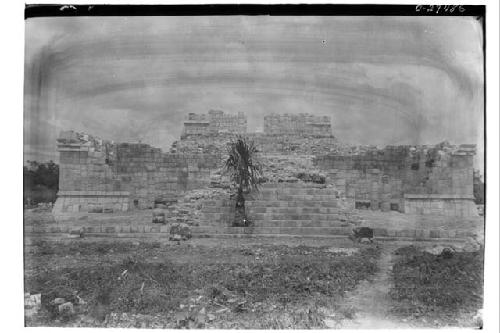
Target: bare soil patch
x=131 y=284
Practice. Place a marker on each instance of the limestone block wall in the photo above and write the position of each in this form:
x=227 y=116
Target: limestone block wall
x=196 y=127
x=302 y=124
x=91 y=201
x=126 y=176
x=227 y=123
x=380 y=179
x=436 y=204
x=285 y=144
x=214 y=122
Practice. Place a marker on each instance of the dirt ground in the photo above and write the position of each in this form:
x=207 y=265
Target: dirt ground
x=201 y=283
x=218 y=283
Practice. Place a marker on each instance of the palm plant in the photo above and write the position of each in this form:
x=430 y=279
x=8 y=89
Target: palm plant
x=244 y=170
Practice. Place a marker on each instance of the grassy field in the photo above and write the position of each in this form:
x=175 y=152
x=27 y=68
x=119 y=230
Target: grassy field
x=438 y=290
x=164 y=285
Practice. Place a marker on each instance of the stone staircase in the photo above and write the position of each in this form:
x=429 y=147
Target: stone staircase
x=284 y=209
x=314 y=210
x=277 y=210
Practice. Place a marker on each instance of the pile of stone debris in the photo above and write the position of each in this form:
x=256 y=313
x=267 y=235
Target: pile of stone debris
x=59 y=305
x=282 y=168
x=187 y=209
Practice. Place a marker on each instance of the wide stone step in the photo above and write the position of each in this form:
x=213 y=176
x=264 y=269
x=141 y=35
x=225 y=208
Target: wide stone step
x=217 y=203
x=413 y=234
x=280 y=223
x=292 y=203
x=296 y=216
x=299 y=223
x=162 y=231
x=291 y=185
x=259 y=236
x=274 y=230
x=297 y=191
x=295 y=210
x=296 y=197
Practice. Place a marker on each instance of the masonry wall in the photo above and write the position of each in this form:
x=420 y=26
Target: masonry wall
x=214 y=122
x=436 y=204
x=297 y=124
x=380 y=179
x=285 y=144
x=126 y=176
x=97 y=175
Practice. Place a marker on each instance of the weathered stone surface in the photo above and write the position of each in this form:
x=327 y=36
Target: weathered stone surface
x=302 y=123
x=101 y=176
x=365 y=240
x=32 y=304
x=158 y=216
x=66 y=308
x=77 y=233
x=437 y=249
x=58 y=301
x=180 y=231
x=214 y=122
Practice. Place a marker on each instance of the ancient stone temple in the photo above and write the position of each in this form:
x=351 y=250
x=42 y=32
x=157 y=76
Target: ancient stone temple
x=215 y=122
x=419 y=180
x=301 y=124
x=299 y=150
x=97 y=175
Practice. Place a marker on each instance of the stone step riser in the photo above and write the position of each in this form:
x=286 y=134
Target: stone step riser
x=296 y=210
x=341 y=231
x=299 y=191
x=294 y=203
x=276 y=230
x=308 y=217
x=300 y=224
x=298 y=201
x=138 y=231
x=292 y=186
x=282 y=223
x=296 y=197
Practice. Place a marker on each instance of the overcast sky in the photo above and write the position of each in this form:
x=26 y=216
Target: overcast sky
x=383 y=80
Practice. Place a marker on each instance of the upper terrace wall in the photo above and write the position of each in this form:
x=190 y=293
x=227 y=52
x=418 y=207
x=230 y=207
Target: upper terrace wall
x=301 y=124
x=213 y=123
x=278 y=144
x=406 y=178
x=95 y=174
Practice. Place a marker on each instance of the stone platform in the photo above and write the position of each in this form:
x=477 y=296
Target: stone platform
x=279 y=210
x=316 y=210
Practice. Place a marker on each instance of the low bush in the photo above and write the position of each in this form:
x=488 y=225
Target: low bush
x=437 y=286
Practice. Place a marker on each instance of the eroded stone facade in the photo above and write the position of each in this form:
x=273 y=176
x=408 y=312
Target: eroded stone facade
x=213 y=123
x=96 y=175
x=301 y=124
x=423 y=180
x=101 y=176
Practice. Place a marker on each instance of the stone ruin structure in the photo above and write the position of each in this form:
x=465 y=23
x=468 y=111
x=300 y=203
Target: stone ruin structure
x=418 y=180
x=215 y=122
x=102 y=176
x=97 y=175
x=297 y=124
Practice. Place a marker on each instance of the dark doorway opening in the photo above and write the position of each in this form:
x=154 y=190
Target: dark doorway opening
x=362 y=205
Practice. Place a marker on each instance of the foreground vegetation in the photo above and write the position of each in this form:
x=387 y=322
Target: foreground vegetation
x=40 y=182
x=438 y=290
x=157 y=285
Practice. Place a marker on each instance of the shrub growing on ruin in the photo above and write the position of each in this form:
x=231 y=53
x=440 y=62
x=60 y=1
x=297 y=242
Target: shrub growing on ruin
x=245 y=172
x=40 y=182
